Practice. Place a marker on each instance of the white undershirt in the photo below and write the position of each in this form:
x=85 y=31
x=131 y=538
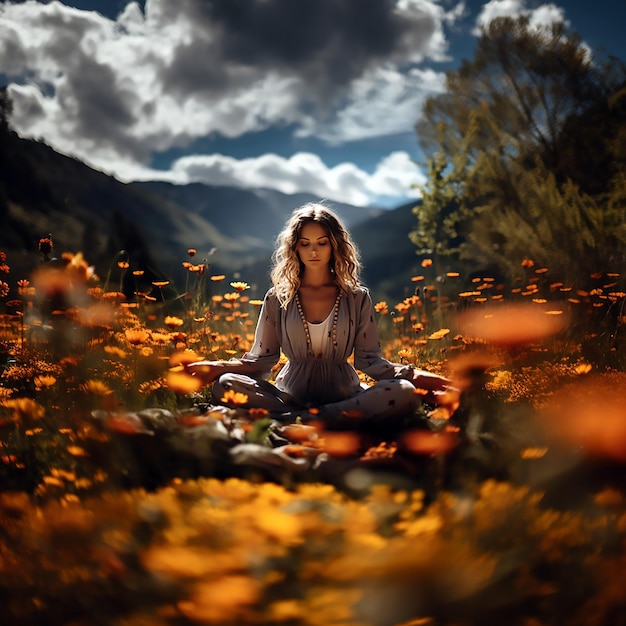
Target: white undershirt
x=319 y=334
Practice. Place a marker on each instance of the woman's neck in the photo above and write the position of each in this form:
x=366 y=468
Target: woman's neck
x=322 y=278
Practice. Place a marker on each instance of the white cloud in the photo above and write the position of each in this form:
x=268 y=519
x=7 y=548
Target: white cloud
x=395 y=176
x=390 y=183
x=543 y=15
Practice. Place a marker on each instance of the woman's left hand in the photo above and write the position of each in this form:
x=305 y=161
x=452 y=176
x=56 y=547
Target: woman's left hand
x=438 y=387
x=429 y=381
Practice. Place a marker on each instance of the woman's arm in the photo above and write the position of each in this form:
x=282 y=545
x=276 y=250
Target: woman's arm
x=367 y=351
x=368 y=356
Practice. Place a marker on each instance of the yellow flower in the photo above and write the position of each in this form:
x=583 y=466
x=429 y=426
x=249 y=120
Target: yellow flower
x=239 y=286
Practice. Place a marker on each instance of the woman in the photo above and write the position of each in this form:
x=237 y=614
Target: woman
x=318 y=314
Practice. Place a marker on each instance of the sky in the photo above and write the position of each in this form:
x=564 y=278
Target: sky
x=318 y=96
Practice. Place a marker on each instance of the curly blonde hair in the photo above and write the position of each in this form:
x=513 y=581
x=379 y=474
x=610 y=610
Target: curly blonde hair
x=286 y=273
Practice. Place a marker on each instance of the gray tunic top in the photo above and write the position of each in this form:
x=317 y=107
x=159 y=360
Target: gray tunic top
x=329 y=378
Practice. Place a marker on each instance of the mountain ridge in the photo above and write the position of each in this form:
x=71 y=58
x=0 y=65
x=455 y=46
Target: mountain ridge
x=43 y=192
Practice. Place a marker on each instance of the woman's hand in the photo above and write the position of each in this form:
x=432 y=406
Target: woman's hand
x=429 y=381
x=206 y=371
x=439 y=388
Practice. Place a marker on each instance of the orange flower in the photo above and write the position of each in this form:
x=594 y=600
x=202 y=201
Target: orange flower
x=429 y=443
x=123 y=265
x=439 y=334
x=45 y=245
x=234 y=397
x=381 y=307
x=43 y=381
x=341 y=443
x=136 y=336
x=77 y=451
x=258 y=413
x=427 y=262
x=183 y=383
x=173 y=322
x=191 y=252
x=96 y=388
x=24 y=409
x=160 y=283
x=508 y=325
x=218 y=278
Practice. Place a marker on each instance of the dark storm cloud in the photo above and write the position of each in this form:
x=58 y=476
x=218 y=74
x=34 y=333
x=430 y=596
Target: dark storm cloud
x=99 y=108
x=325 y=43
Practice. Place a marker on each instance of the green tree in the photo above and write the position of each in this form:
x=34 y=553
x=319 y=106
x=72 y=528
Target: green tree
x=519 y=114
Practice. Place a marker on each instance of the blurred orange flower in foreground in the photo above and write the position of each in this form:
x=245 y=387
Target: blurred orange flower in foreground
x=341 y=443
x=429 y=443
x=183 y=383
x=591 y=414
x=510 y=325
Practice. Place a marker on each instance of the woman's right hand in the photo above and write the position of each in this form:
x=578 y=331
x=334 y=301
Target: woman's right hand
x=206 y=371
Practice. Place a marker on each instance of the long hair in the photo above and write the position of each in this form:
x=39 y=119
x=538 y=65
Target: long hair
x=286 y=273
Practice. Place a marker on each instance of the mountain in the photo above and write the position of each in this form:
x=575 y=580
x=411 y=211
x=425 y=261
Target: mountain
x=43 y=192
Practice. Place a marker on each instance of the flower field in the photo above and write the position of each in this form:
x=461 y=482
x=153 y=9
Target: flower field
x=128 y=498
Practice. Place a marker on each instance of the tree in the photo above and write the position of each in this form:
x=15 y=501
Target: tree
x=518 y=113
x=439 y=212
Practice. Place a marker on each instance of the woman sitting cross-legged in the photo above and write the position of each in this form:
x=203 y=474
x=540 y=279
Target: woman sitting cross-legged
x=318 y=314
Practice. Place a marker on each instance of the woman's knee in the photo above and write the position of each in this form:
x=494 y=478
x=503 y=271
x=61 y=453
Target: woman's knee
x=405 y=392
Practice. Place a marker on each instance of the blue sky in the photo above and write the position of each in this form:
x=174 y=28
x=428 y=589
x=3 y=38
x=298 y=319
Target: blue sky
x=299 y=95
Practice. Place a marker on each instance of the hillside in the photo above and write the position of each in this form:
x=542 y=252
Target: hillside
x=43 y=192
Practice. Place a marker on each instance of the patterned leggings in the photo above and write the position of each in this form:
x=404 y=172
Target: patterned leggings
x=386 y=398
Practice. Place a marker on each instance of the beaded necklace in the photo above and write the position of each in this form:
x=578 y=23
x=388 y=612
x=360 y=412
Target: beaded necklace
x=333 y=333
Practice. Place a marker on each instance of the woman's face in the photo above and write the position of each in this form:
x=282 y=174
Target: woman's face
x=313 y=247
